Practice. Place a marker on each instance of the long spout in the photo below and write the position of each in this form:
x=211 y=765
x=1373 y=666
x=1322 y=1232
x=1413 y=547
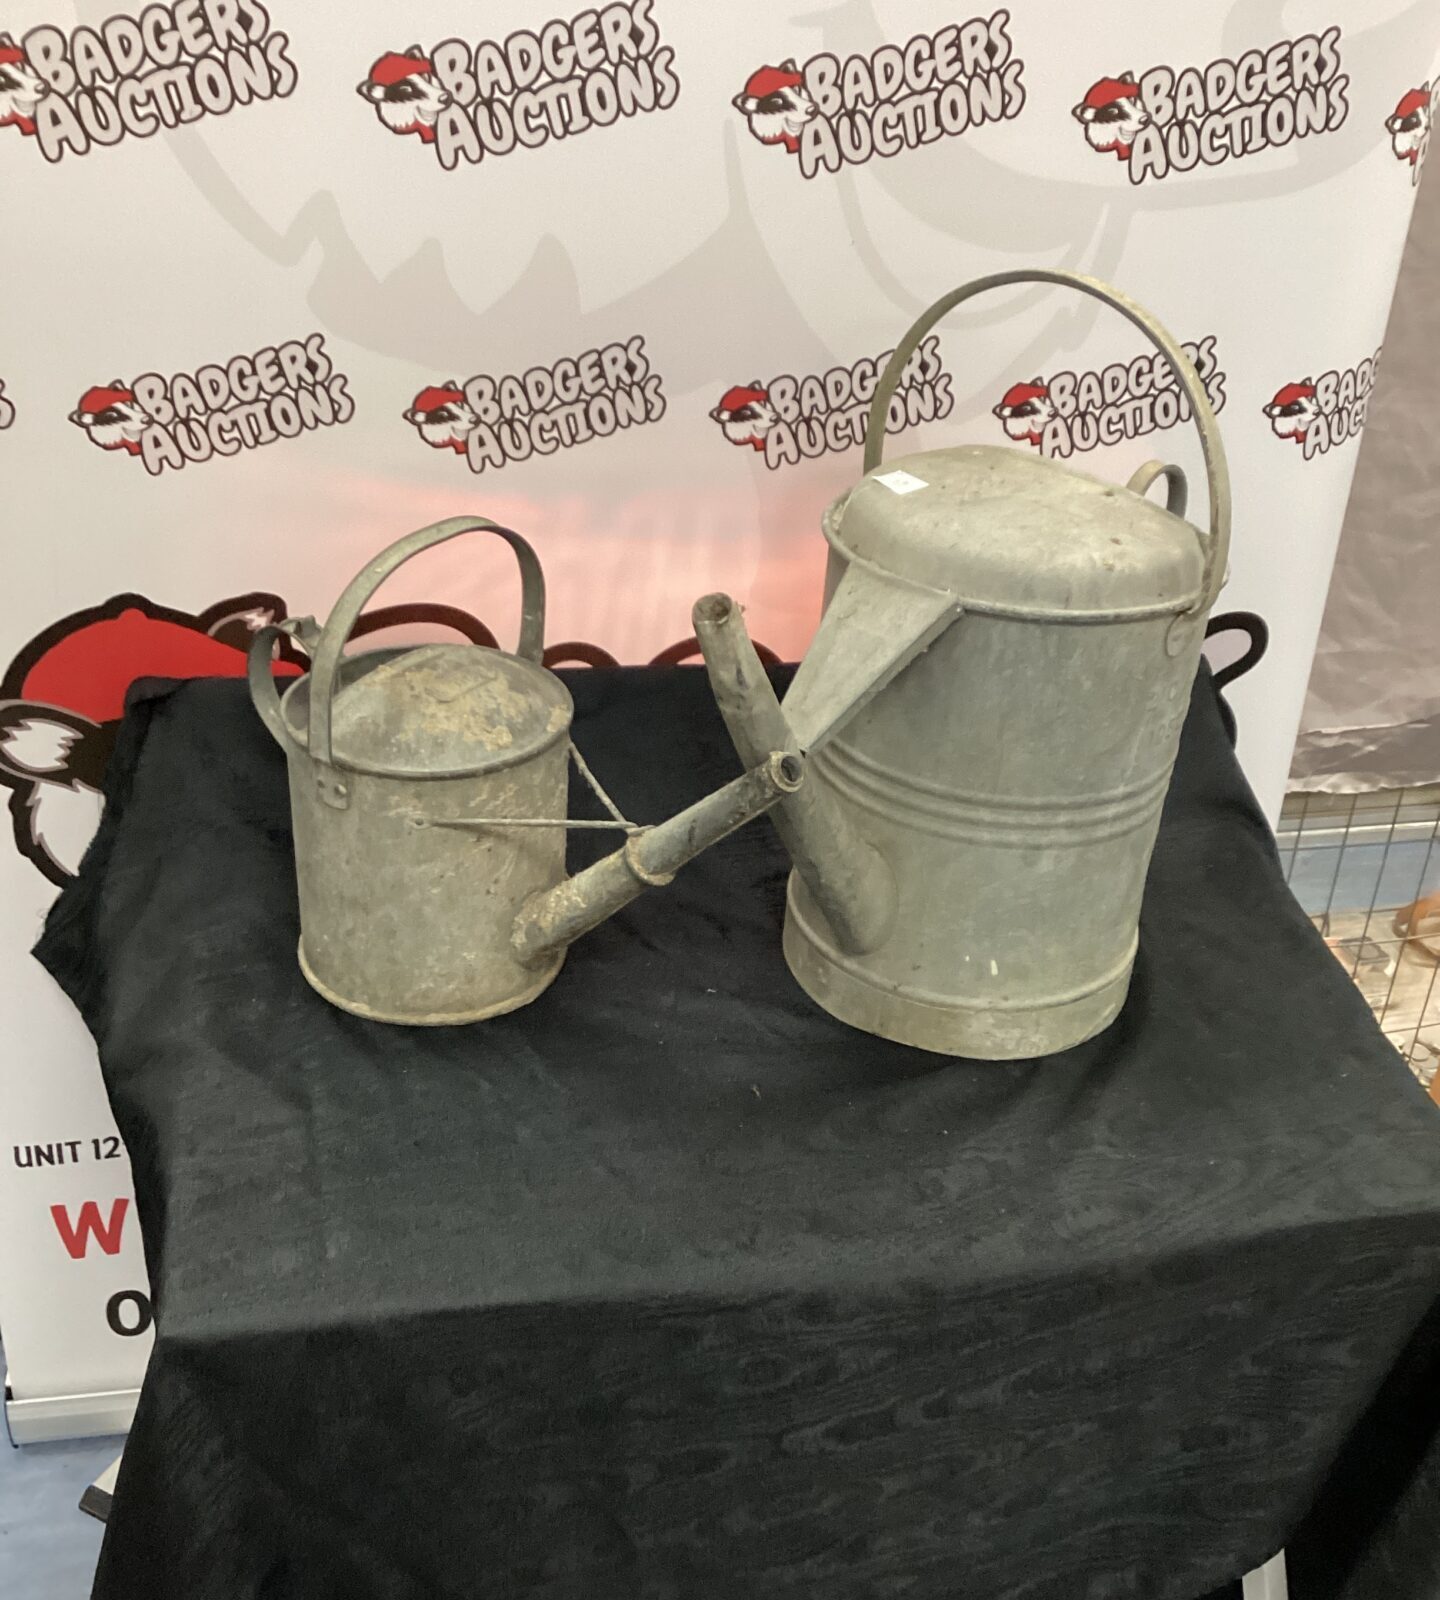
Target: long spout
x=850 y=880
x=650 y=858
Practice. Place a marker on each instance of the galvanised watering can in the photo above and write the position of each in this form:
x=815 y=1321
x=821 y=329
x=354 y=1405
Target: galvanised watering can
x=428 y=792
x=990 y=711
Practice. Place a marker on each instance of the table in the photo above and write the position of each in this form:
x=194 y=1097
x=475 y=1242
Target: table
x=671 y=1286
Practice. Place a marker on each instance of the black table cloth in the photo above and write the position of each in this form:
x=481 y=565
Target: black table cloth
x=670 y=1286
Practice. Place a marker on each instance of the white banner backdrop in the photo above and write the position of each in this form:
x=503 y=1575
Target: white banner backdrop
x=295 y=279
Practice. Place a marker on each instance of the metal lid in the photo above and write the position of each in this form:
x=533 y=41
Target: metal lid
x=1017 y=534
x=440 y=710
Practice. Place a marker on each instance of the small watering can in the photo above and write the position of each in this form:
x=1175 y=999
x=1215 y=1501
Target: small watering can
x=428 y=791
x=990 y=711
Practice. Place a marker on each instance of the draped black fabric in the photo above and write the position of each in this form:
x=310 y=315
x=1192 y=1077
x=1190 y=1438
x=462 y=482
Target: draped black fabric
x=670 y=1286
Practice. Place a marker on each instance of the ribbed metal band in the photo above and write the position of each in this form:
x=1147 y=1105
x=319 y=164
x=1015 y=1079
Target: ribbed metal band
x=1003 y=821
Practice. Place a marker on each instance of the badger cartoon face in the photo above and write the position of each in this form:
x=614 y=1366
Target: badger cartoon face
x=21 y=87
x=745 y=414
x=112 y=417
x=62 y=698
x=442 y=417
x=1025 y=410
x=1293 y=410
x=1409 y=128
x=403 y=90
x=776 y=105
x=1112 y=115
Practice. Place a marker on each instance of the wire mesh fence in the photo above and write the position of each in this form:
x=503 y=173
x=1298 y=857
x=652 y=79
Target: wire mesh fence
x=1366 y=870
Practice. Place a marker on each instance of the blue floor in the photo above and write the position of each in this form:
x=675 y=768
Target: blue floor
x=48 y=1546
x=1367 y=875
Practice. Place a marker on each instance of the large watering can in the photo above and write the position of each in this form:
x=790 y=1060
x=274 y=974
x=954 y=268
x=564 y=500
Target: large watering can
x=990 y=711
x=428 y=791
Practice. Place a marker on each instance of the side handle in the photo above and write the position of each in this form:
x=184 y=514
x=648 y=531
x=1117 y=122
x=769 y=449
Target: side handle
x=259 y=673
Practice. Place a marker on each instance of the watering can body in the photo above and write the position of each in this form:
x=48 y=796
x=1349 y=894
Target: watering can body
x=428 y=797
x=990 y=711
x=1013 y=773
x=396 y=917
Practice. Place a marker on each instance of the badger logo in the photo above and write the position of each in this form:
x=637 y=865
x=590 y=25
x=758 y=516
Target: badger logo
x=1112 y=115
x=776 y=105
x=1025 y=411
x=442 y=417
x=112 y=417
x=62 y=697
x=403 y=90
x=1409 y=128
x=745 y=414
x=1293 y=410
x=21 y=88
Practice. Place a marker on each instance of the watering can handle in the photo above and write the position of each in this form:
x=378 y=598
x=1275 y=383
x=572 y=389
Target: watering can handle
x=364 y=584
x=260 y=671
x=1217 y=547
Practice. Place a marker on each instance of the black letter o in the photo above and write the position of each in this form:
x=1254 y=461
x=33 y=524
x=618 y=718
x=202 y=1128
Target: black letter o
x=116 y=1305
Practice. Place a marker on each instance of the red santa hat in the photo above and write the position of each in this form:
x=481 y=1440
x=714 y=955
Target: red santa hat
x=433 y=398
x=96 y=399
x=11 y=55
x=740 y=395
x=1107 y=92
x=1416 y=100
x=392 y=68
x=88 y=671
x=769 y=80
x=1293 y=392
x=1019 y=394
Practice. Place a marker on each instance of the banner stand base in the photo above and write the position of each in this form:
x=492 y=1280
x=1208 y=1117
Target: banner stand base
x=96 y=1500
x=70 y=1416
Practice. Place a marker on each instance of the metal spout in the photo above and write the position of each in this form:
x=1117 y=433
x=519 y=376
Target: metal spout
x=650 y=858
x=849 y=879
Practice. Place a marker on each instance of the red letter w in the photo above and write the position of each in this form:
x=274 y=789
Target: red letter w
x=76 y=1237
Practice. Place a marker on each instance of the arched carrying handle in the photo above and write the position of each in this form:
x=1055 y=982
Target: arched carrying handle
x=1217 y=547
x=364 y=584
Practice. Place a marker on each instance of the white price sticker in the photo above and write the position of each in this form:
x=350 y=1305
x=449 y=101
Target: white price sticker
x=901 y=482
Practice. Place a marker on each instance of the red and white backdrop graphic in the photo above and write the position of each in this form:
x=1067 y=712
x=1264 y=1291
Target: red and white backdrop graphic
x=294 y=279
